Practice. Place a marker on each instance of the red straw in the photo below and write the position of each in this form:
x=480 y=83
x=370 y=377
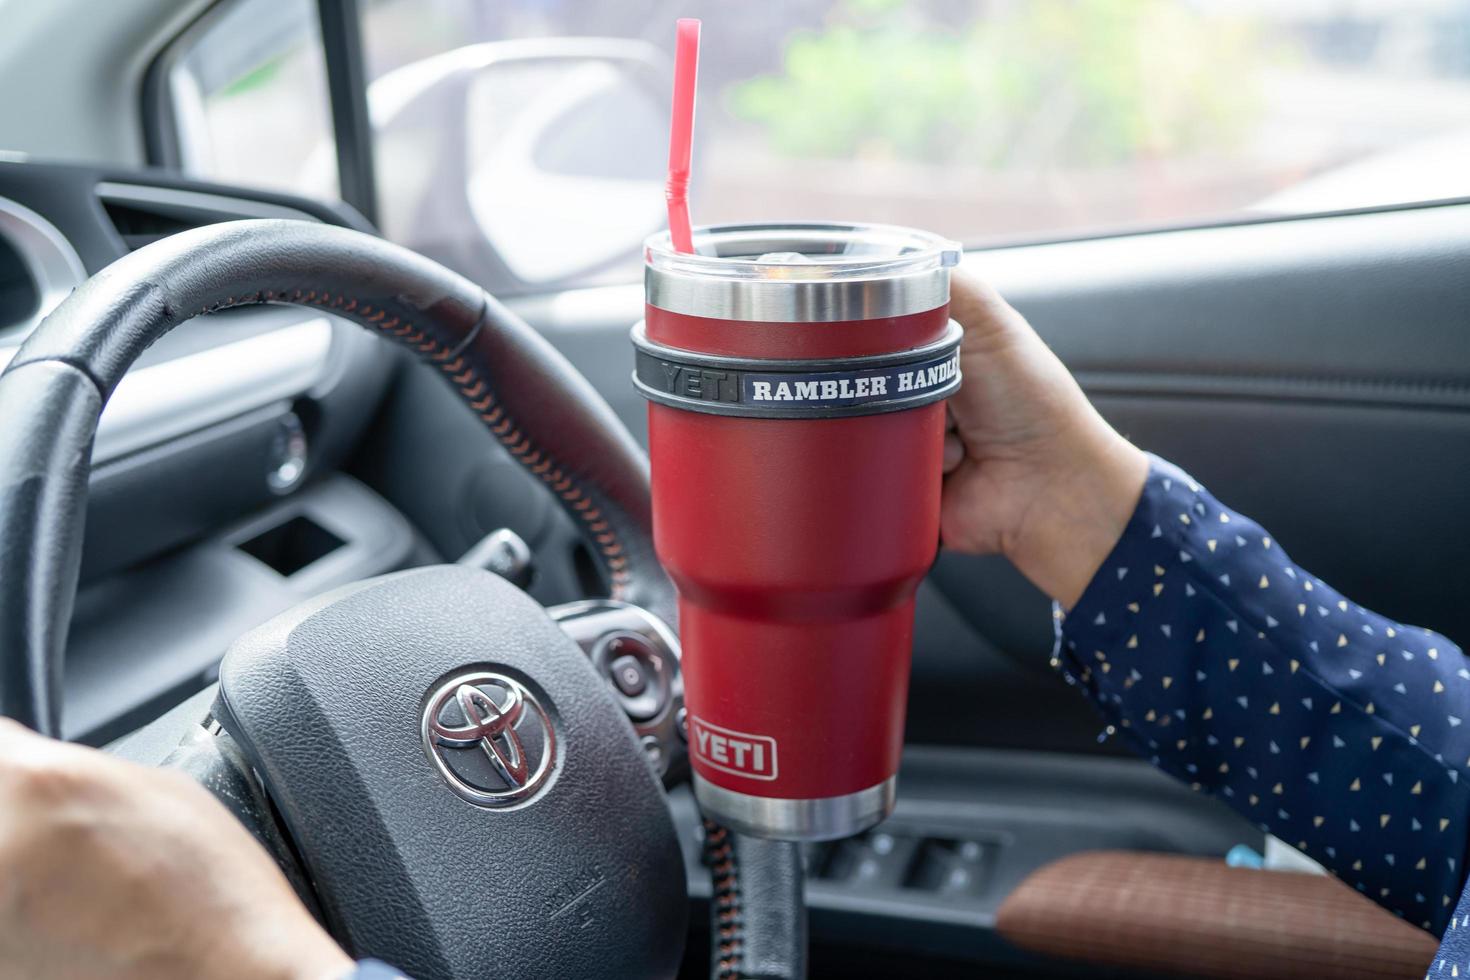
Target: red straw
x=681 y=133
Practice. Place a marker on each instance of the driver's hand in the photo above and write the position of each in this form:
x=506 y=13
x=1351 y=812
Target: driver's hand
x=109 y=869
x=1034 y=472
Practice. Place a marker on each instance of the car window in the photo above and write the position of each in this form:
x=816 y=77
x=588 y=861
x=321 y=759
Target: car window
x=998 y=120
x=522 y=142
x=247 y=86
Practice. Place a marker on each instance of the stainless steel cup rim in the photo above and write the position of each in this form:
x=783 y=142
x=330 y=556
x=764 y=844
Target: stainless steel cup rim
x=838 y=272
x=823 y=818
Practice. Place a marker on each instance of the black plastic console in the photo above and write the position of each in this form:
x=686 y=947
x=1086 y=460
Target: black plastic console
x=970 y=824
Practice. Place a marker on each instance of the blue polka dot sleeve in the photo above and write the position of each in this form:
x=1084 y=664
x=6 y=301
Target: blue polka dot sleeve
x=1230 y=667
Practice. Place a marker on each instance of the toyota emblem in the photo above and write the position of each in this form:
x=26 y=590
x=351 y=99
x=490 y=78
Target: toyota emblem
x=490 y=738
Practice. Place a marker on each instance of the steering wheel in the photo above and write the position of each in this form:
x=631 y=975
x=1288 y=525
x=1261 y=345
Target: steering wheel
x=439 y=764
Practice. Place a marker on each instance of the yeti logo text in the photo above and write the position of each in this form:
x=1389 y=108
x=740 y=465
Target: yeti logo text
x=693 y=382
x=732 y=751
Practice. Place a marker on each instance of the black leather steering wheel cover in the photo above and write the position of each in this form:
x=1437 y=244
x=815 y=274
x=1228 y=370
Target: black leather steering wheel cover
x=548 y=417
x=43 y=489
x=758 y=926
x=535 y=403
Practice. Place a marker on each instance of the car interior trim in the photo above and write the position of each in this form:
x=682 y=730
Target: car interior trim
x=1409 y=393
x=53 y=264
x=173 y=398
x=118 y=192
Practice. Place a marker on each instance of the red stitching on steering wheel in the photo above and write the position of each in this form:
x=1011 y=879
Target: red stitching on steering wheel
x=729 y=921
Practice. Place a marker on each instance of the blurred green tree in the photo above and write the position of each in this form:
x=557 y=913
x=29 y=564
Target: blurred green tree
x=1026 y=83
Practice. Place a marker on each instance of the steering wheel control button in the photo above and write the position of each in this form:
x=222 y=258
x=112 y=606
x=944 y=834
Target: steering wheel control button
x=628 y=676
x=618 y=637
x=653 y=750
x=490 y=738
x=636 y=672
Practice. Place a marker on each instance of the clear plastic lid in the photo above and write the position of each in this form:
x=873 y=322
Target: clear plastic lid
x=803 y=251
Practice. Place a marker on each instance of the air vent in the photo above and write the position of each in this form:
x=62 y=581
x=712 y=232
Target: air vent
x=143 y=214
x=141 y=226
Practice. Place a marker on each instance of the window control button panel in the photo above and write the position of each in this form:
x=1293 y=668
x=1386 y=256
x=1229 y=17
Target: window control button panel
x=893 y=860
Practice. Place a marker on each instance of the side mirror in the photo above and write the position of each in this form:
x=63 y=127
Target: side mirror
x=525 y=163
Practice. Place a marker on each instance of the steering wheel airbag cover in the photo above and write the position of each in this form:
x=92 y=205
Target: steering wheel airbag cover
x=584 y=880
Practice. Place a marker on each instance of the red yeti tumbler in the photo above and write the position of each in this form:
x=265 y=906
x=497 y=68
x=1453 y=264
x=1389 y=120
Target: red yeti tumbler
x=796 y=376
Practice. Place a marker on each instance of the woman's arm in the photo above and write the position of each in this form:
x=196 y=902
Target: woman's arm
x=1202 y=643
x=1232 y=668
